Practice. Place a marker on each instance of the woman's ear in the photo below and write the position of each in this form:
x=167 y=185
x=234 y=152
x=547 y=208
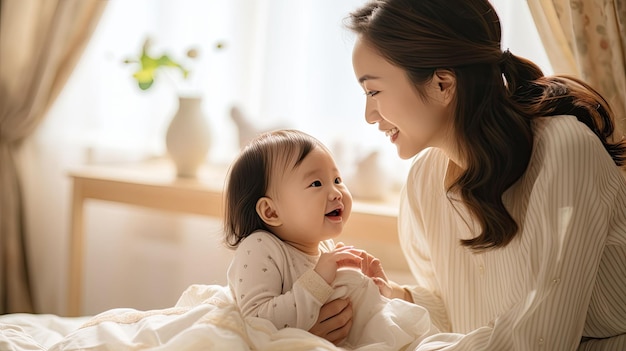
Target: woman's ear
x=265 y=209
x=445 y=81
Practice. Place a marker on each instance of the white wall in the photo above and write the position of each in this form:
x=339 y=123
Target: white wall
x=134 y=257
x=147 y=260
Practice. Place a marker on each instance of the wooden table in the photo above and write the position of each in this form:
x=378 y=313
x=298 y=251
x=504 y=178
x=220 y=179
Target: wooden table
x=154 y=185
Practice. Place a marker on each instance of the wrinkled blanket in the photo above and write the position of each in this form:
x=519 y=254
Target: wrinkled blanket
x=206 y=318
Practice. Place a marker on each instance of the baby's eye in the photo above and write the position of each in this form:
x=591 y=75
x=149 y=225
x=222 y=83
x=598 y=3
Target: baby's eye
x=316 y=184
x=338 y=180
x=371 y=93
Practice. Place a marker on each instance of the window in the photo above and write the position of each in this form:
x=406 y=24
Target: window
x=286 y=64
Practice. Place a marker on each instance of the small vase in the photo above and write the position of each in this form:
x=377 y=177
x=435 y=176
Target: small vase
x=188 y=137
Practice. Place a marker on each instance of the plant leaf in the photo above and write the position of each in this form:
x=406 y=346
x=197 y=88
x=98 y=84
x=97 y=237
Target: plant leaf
x=145 y=85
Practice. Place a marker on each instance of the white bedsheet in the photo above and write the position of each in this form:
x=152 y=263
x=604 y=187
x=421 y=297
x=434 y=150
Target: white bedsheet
x=204 y=318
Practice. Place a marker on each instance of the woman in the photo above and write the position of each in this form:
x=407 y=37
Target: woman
x=513 y=217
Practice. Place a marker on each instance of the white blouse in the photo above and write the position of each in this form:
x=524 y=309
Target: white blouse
x=562 y=277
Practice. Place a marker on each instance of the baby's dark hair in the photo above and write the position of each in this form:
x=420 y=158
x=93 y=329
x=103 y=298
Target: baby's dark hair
x=249 y=177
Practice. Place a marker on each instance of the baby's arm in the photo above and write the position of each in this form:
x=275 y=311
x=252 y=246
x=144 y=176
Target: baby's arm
x=256 y=277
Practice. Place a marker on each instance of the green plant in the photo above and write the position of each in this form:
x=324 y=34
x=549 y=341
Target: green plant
x=149 y=64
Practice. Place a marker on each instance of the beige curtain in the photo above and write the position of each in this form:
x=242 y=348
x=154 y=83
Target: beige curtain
x=40 y=43
x=587 y=38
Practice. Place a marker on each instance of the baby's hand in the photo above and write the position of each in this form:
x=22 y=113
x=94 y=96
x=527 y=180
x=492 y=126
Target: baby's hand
x=344 y=256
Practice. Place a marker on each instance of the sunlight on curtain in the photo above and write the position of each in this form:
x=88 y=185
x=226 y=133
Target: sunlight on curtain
x=287 y=63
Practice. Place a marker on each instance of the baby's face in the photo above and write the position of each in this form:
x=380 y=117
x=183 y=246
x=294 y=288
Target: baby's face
x=311 y=200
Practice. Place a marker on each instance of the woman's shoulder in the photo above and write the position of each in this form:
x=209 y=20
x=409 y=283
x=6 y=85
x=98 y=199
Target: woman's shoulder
x=565 y=145
x=425 y=180
x=428 y=166
x=429 y=158
x=563 y=131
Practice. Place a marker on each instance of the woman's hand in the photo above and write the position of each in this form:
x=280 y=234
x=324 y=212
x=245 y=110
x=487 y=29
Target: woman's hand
x=373 y=268
x=334 y=321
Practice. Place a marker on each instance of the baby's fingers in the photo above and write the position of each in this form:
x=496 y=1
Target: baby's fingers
x=361 y=253
x=348 y=258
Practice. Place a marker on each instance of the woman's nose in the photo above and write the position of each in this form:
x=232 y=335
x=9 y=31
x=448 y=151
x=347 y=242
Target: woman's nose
x=371 y=112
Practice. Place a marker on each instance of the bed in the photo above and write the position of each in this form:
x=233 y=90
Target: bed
x=205 y=317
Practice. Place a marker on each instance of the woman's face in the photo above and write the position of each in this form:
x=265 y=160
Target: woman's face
x=392 y=101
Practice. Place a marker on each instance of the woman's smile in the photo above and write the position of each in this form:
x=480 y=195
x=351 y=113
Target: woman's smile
x=392 y=134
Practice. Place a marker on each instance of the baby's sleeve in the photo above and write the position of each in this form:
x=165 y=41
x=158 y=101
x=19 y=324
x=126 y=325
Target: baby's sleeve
x=256 y=278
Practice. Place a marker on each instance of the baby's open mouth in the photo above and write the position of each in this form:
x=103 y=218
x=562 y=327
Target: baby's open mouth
x=334 y=213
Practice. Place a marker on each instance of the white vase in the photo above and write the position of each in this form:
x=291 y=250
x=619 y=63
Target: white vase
x=188 y=137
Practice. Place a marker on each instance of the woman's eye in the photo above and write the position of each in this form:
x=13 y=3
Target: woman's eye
x=338 y=180
x=372 y=93
x=316 y=183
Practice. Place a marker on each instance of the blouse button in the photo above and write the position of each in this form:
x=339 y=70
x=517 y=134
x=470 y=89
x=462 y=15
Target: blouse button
x=540 y=340
x=556 y=280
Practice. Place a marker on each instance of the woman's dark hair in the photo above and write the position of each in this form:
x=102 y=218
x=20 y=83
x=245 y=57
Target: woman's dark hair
x=497 y=95
x=266 y=156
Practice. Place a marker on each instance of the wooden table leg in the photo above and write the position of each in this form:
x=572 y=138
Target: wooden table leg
x=76 y=247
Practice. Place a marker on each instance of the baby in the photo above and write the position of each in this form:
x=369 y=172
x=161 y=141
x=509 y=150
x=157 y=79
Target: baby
x=285 y=202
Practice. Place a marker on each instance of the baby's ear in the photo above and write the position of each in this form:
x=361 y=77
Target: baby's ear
x=265 y=209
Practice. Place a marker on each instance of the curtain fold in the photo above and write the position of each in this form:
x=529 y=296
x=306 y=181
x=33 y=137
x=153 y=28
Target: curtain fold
x=587 y=39
x=40 y=43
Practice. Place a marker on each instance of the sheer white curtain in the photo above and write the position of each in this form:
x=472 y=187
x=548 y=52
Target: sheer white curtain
x=286 y=63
